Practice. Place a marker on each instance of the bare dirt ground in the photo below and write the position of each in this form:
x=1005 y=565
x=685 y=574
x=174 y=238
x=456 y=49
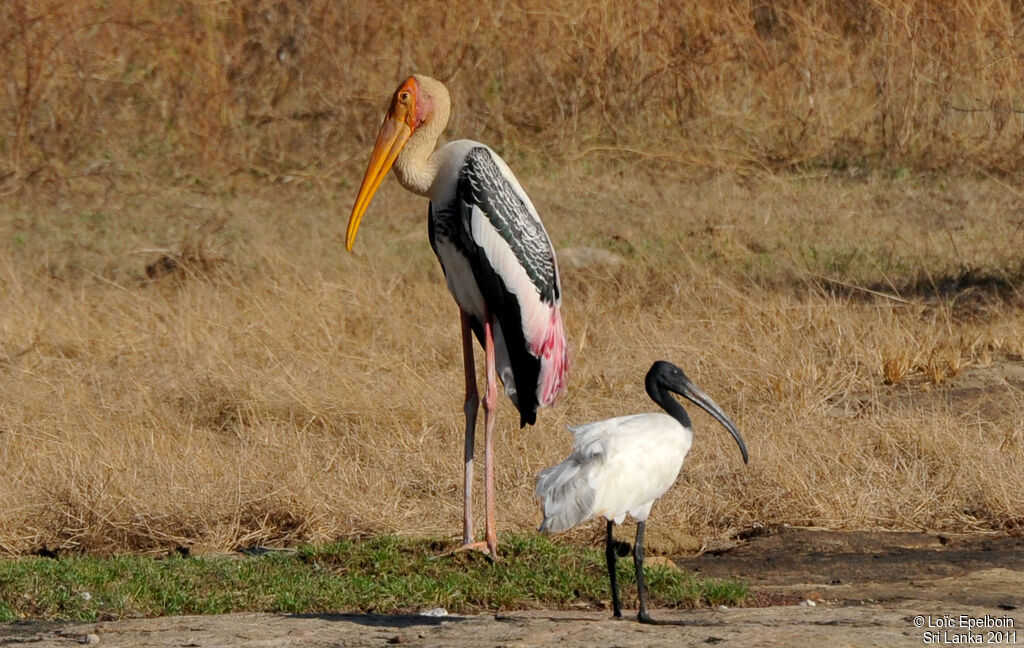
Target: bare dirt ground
x=868 y=589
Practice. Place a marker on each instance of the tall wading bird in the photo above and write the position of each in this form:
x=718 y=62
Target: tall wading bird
x=621 y=465
x=498 y=262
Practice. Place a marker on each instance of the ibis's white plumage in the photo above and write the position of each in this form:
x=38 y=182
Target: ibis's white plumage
x=618 y=466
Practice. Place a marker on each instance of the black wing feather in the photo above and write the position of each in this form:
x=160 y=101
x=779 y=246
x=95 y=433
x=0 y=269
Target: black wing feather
x=481 y=183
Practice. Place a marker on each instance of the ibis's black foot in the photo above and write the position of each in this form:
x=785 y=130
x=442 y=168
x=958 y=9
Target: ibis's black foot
x=646 y=618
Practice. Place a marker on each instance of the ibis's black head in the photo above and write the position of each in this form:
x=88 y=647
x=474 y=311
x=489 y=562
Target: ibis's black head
x=666 y=376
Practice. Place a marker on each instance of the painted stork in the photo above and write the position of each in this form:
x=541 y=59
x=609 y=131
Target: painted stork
x=498 y=262
x=621 y=465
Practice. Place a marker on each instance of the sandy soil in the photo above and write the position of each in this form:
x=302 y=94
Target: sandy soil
x=868 y=589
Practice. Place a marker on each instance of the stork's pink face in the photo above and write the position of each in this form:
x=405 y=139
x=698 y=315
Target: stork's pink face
x=409 y=108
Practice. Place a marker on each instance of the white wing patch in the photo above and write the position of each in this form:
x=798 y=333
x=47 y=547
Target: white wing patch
x=535 y=314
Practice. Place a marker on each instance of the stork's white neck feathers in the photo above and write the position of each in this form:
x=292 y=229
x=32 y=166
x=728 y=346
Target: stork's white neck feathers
x=417 y=165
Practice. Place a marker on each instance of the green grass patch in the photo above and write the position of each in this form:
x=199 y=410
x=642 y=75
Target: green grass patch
x=381 y=575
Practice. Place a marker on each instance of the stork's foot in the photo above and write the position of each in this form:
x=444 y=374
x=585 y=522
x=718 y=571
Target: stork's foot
x=480 y=547
x=487 y=548
x=492 y=546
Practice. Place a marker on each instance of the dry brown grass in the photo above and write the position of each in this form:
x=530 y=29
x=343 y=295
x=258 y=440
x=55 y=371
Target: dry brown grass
x=187 y=356
x=293 y=391
x=177 y=91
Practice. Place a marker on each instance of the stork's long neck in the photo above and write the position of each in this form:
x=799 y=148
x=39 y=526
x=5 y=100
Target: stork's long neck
x=417 y=165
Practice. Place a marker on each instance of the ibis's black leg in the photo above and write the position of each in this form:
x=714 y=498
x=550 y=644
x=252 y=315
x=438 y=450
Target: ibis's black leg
x=609 y=555
x=641 y=584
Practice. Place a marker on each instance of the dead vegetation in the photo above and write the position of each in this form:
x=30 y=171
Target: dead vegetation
x=194 y=91
x=302 y=393
x=189 y=358
x=193 y=258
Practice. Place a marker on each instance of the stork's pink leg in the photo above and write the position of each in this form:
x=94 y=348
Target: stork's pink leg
x=490 y=403
x=470 y=407
x=490 y=544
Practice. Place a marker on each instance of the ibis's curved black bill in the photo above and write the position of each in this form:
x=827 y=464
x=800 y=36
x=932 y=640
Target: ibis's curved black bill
x=672 y=378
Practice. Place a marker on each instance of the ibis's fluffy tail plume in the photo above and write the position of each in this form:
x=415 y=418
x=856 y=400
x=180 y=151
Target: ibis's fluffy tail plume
x=567 y=495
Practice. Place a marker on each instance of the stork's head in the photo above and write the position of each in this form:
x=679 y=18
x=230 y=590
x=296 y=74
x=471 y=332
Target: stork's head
x=420 y=101
x=665 y=375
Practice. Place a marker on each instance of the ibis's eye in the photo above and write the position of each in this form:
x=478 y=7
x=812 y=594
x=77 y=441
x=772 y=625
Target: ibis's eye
x=404 y=96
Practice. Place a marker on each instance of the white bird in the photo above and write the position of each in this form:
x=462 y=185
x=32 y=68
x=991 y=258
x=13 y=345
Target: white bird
x=621 y=465
x=498 y=262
